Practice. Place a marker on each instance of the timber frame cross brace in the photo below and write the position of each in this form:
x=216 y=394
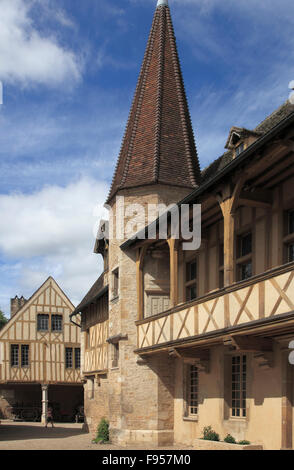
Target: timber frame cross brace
x=199 y=358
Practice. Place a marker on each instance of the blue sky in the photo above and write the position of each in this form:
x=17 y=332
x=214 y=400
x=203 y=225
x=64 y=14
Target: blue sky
x=69 y=69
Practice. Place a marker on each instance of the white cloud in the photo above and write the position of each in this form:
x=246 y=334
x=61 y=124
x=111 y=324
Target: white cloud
x=51 y=232
x=26 y=56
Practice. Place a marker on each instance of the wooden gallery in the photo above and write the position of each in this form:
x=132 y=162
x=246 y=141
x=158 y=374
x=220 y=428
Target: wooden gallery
x=174 y=340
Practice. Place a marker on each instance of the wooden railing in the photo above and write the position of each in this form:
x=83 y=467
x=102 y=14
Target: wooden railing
x=261 y=297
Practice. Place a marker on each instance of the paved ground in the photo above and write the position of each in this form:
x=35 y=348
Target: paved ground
x=34 y=436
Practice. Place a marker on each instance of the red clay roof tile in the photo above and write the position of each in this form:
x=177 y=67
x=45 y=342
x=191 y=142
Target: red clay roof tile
x=158 y=145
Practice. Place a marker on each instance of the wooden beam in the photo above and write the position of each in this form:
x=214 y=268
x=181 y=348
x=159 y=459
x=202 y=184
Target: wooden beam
x=258 y=198
x=197 y=357
x=287 y=143
x=252 y=343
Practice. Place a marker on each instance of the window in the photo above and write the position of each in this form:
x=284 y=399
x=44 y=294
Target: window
x=191 y=280
x=43 y=322
x=14 y=355
x=68 y=358
x=289 y=236
x=115 y=354
x=24 y=355
x=239 y=377
x=239 y=149
x=77 y=358
x=245 y=270
x=56 y=323
x=192 y=391
x=221 y=265
x=115 y=280
x=71 y=355
x=246 y=244
x=291 y=222
x=291 y=252
x=244 y=257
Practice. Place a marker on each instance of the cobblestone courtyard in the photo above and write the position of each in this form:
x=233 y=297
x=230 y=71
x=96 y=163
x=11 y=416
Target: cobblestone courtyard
x=34 y=436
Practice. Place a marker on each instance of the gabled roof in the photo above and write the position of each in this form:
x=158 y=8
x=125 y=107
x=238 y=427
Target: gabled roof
x=43 y=287
x=239 y=133
x=158 y=146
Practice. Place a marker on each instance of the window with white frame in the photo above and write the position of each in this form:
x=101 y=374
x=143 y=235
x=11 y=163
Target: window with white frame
x=239 y=386
x=191 y=392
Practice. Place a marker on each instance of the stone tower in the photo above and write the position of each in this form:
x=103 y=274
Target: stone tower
x=157 y=164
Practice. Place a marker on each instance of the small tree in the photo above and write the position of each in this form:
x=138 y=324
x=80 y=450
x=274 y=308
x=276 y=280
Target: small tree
x=102 y=432
x=3 y=319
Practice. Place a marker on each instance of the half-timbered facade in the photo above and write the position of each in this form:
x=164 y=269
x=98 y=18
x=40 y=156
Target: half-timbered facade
x=40 y=356
x=195 y=337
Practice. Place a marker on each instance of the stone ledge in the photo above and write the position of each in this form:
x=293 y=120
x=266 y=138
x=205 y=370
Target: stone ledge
x=201 y=444
x=130 y=437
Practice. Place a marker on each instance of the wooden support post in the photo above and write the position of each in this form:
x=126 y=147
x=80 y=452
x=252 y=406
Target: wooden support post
x=140 y=281
x=229 y=233
x=174 y=259
x=228 y=202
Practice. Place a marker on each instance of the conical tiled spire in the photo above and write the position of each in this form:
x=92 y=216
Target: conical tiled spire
x=158 y=146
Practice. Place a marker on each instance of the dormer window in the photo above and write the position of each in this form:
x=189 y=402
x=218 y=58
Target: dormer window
x=235 y=139
x=239 y=149
x=240 y=139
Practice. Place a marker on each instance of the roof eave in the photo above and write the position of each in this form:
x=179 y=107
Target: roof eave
x=221 y=173
x=81 y=307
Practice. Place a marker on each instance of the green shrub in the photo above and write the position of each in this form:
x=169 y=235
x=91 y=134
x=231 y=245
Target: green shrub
x=102 y=432
x=230 y=439
x=244 y=443
x=209 y=434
